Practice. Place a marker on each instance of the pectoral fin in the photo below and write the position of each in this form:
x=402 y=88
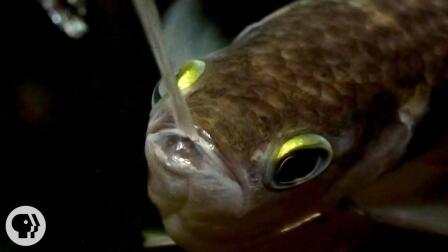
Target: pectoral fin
x=415 y=196
x=157 y=238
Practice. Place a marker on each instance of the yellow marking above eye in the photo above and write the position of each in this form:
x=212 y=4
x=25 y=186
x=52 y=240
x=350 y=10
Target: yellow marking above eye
x=189 y=73
x=305 y=141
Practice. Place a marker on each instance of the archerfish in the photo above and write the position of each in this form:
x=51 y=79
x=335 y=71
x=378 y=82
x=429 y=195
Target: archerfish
x=297 y=136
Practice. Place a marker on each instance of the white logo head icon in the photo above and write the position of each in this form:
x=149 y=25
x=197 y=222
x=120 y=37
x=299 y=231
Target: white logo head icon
x=25 y=225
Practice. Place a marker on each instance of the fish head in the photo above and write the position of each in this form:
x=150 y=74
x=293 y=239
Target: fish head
x=265 y=157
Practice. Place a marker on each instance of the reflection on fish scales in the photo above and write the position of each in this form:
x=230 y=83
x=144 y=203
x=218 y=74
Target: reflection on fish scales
x=300 y=127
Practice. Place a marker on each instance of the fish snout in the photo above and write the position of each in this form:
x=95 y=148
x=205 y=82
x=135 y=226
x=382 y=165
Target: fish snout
x=179 y=154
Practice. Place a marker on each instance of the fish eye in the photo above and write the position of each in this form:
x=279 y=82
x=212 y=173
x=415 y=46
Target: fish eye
x=186 y=77
x=299 y=159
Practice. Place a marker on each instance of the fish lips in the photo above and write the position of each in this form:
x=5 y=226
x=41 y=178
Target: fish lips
x=186 y=174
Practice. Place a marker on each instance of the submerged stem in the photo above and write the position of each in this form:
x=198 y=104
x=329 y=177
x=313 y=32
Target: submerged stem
x=149 y=17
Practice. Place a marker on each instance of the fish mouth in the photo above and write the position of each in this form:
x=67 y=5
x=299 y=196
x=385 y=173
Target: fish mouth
x=189 y=176
x=177 y=153
x=180 y=155
x=183 y=172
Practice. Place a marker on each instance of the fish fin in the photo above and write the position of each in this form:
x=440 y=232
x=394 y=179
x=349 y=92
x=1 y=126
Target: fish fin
x=189 y=33
x=157 y=238
x=415 y=196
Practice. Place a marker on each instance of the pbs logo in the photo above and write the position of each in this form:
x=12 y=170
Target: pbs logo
x=25 y=225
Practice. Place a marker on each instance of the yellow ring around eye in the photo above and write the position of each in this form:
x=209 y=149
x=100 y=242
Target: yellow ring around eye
x=189 y=73
x=302 y=142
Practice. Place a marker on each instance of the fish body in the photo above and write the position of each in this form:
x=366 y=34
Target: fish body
x=358 y=73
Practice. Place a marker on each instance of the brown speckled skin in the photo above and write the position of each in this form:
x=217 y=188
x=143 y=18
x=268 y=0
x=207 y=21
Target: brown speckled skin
x=321 y=64
x=342 y=69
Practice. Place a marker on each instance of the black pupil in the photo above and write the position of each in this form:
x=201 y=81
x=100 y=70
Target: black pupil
x=299 y=164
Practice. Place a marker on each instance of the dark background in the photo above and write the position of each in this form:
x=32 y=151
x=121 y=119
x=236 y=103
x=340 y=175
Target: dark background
x=74 y=115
